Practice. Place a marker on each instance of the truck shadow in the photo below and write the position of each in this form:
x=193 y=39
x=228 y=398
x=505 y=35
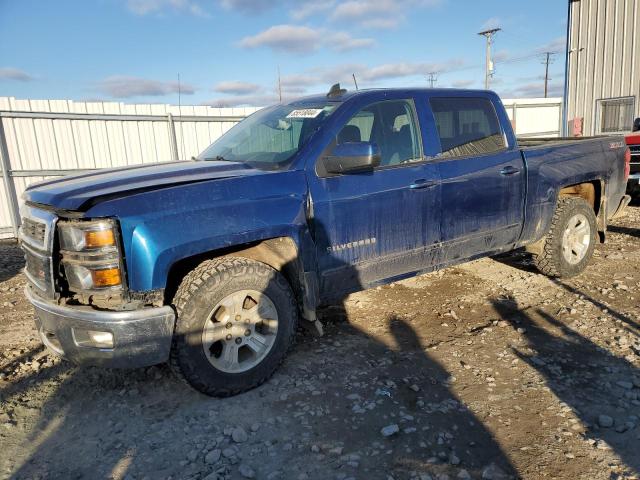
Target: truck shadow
x=631 y=232
x=523 y=261
x=101 y=423
x=578 y=372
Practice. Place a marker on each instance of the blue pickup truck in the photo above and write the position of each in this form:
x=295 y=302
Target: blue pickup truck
x=210 y=264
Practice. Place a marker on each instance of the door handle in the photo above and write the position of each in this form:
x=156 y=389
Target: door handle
x=509 y=171
x=422 y=183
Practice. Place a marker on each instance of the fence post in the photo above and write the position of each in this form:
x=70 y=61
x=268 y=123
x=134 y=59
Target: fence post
x=9 y=187
x=173 y=139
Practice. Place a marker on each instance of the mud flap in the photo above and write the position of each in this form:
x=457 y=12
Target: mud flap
x=620 y=212
x=310 y=300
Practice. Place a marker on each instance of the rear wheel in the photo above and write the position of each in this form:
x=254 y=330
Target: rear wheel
x=571 y=240
x=236 y=321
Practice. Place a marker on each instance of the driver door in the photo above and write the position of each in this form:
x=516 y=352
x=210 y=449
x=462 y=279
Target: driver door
x=381 y=224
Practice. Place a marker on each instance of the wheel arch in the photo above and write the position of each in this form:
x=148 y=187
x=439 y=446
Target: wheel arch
x=280 y=253
x=593 y=193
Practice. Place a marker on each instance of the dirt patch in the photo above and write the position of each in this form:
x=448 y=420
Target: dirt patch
x=488 y=370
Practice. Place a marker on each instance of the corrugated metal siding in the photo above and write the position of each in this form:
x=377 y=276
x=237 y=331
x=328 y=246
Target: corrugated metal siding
x=604 y=60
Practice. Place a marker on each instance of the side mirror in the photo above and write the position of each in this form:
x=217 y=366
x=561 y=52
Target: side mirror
x=636 y=125
x=353 y=157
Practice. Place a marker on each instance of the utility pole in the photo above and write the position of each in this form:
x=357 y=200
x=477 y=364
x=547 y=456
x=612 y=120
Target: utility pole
x=488 y=34
x=546 y=62
x=432 y=79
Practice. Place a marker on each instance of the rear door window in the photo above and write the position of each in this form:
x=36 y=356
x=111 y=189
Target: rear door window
x=467 y=126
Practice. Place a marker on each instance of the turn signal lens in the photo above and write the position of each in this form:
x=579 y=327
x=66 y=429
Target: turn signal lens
x=80 y=236
x=99 y=238
x=109 y=277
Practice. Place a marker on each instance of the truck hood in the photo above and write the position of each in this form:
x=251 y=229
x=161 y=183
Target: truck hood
x=80 y=192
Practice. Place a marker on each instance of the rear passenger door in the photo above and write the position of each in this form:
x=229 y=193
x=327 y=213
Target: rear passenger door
x=483 y=178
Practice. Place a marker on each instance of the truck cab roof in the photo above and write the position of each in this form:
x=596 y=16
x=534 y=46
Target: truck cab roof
x=381 y=93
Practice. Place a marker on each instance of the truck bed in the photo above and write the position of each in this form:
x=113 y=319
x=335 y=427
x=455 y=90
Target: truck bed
x=527 y=142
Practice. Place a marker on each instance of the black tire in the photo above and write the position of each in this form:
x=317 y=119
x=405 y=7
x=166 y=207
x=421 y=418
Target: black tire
x=199 y=292
x=551 y=261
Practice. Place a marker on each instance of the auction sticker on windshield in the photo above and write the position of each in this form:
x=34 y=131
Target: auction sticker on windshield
x=305 y=113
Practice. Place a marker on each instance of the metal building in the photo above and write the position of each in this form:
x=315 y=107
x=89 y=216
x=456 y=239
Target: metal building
x=603 y=66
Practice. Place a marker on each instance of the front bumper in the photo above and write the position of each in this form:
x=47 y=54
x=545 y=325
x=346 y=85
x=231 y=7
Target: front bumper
x=140 y=337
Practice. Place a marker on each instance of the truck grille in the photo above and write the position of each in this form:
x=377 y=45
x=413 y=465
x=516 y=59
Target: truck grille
x=34 y=230
x=36 y=240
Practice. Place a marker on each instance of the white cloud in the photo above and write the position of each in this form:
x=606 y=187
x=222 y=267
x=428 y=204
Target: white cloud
x=502 y=56
x=407 y=69
x=378 y=13
x=367 y=76
x=10 y=73
x=298 y=80
x=285 y=37
x=308 y=9
x=147 y=7
x=556 y=45
x=260 y=100
x=361 y=9
x=120 y=86
x=248 y=6
x=463 y=83
x=363 y=13
x=342 y=42
x=237 y=88
x=302 y=39
x=533 y=90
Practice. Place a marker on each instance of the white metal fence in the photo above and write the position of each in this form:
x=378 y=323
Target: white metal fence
x=535 y=117
x=47 y=138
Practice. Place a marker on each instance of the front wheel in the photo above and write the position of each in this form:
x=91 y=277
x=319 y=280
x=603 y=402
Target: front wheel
x=571 y=240
x=236 y=320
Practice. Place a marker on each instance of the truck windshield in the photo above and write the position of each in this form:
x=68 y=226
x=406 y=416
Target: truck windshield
x=270 y=138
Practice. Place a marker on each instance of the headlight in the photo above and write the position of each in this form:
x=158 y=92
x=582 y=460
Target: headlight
x=90 y=255
x=79 y=236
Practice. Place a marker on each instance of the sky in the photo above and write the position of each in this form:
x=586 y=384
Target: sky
x=229 y=52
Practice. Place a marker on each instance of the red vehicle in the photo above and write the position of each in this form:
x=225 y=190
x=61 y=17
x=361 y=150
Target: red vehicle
x=633 y=141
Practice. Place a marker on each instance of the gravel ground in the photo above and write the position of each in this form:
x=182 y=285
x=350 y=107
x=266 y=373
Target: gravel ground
x=488 y=370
